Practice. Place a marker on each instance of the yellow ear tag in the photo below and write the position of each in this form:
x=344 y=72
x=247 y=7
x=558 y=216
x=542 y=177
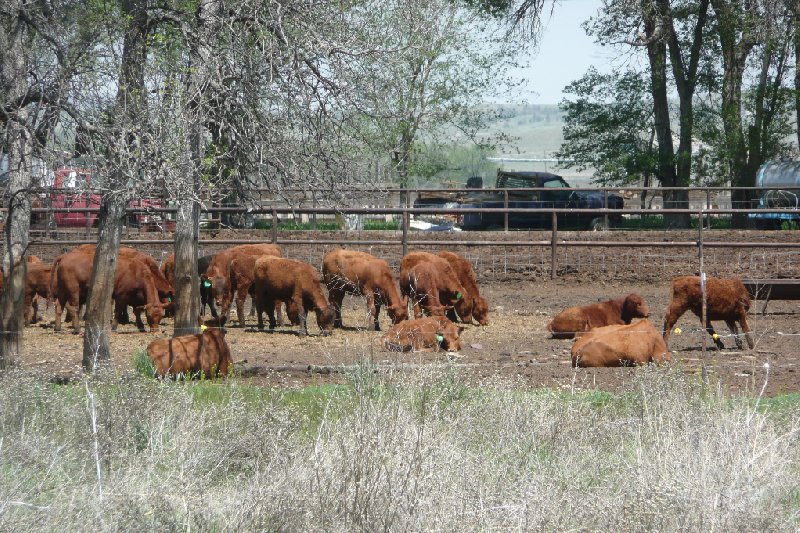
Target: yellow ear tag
x=678 y=331
x=203 y=327
x=715 y=337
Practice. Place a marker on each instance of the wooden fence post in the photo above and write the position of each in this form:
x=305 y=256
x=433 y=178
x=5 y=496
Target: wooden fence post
x=553 y=248
x=274 y=226
x=505 y=206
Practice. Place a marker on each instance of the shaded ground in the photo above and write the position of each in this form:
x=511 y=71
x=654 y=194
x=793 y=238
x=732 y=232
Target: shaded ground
x=513 y=349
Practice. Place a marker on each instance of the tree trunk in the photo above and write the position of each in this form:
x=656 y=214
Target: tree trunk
x=797 y=69
x=96 y=349
x=187 y=230
x=13 y=72
x=657 y=55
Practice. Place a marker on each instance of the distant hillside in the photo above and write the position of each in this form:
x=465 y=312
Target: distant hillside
x=536 y=127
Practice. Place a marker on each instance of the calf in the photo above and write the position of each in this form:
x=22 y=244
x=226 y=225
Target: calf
x=726 y=299
x=296 y=283
x=432 y=333
x=468 y=279
x=189 y=355
x=620 y=345
x=134 y=286
x=576 y=320
x=360 y=273
x=436 y=285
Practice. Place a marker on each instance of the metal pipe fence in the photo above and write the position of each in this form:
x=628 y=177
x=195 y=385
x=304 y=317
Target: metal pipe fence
x=555 y=243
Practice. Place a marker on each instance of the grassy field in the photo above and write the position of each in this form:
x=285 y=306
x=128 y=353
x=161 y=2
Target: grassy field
x=427 y=453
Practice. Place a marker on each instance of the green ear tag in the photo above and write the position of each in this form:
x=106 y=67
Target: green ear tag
x=169 y=298
x=439 y=338
x=458 y=296
x=207 y=284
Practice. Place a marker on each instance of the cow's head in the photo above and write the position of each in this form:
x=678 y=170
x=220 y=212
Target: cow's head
x=463 y=305
x=325 y=319
x=214 y=323
x=398 y=312
x=447 y=337
x=480 y=310
x=634 y=306
x=215 y=283
x=154 y=313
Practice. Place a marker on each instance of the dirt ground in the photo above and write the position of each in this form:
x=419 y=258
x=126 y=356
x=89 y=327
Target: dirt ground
x=514 y=349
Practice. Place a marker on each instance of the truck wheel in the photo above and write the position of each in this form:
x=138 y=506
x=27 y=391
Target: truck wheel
x=597 y=224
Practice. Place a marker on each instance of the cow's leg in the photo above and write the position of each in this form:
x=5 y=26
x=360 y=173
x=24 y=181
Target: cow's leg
x=303 y=316
x=279 y=312
x=212 y=307
x=376 y=316
x=336 y=297
x=58 y=309
x=137 y=311
x=117 y=311
x=674 y=312
x=710 y=330
x=74 y=308
x=373 y=312
x=271 y=313
x=746 y=329
x=241 y=296
x=260 y=307
x=735 y=330
x=29 y=310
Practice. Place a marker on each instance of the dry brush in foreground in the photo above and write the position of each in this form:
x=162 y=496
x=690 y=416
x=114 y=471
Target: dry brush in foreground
x=431 y=455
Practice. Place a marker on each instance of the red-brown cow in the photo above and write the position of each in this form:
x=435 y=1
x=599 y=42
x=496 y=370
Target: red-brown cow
x=296 y=283
x=242 y=277
x=436 y=285
x=576 y=320
x=360 y=273
x=134 y=286
x=726 y=299
x=466 y=275
x=37 y=286
x=432 y=333
x=218 y=271
x=620 y=345
x=190 y=355
x=69 y=284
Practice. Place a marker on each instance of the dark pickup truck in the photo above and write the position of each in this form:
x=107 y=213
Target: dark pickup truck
x=554 y=197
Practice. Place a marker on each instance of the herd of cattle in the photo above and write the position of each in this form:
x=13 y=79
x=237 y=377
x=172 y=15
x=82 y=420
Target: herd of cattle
x=442 y=290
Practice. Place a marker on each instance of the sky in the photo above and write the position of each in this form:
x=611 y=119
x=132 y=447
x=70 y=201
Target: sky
x=565 y=53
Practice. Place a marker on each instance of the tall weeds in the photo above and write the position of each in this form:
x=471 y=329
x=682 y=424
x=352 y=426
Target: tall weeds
x=376 y=455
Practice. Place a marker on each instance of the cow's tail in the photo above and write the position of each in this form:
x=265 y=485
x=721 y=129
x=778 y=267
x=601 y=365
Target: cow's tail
x=51 y=287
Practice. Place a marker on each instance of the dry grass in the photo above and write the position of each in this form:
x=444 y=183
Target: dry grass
x=375 y=454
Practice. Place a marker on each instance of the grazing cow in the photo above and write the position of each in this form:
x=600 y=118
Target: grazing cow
x=436 y=284
x=576 y=320
x=134 y=286
x=189 y=355
x=166 y=292
x=620 y=345
x=241 y=278
x=168 y=270
x=37 y=286
x=360 y=273
x=726 y=299
x=466 y=275
x=218 y=271
x=296 y=283
x=69 y=285
x=432 y=333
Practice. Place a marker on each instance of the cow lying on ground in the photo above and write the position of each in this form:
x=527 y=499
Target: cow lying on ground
x=168 y=270
x=620 y=345
x=296 y=283
x=466 y=275
x=726 y=299
x=432 y=333
x=218 y=271
x=360 y=273
x=433 y=286
x=189 y=355
x=576 y=320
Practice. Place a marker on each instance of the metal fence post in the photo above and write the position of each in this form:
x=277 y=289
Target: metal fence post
x=505 y=206
x=274 y=226
x=314 y=205
x=553 y=241
x=708 y=206
x=405 y=230
x=605 y=206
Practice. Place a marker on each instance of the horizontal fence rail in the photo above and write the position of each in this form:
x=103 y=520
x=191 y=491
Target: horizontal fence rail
x=406 y=240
